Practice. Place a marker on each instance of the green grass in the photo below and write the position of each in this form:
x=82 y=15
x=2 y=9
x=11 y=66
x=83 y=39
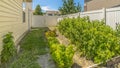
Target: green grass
x=33 y=45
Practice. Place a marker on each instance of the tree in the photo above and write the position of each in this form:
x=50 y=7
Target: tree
x=38 y=10
x=78 y=8
x=69 y=7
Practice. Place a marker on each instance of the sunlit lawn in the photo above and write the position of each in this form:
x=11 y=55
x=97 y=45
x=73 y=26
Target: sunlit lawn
x=33 y=45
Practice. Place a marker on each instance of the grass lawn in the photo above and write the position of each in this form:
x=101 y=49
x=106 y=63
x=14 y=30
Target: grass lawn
x=33 y=45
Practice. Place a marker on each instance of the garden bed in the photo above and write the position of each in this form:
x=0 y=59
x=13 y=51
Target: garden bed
x=95 y=41
x=61 y=54
x=80 y=61
x=34 y=52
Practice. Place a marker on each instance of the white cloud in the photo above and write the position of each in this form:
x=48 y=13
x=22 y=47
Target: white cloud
x=47 y=8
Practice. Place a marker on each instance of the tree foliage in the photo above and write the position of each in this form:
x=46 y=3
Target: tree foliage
x=69 y=7
x=38 y=10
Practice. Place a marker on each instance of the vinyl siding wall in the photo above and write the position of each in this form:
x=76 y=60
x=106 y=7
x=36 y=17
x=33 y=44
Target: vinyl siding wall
x=99 y=4
x=11 y=19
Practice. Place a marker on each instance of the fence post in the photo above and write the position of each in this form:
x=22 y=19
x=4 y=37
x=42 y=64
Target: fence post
x=79 y=14
x=104 y=14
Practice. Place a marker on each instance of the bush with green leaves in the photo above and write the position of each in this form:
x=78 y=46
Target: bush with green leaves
x=61 y=55
x=9 y=49
x=118 y=30
x=95 y=40
x=52 y=40
x=50 y=33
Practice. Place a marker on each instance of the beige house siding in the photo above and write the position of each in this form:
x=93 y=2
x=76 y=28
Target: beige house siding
x=11 y=19
x=99 y=4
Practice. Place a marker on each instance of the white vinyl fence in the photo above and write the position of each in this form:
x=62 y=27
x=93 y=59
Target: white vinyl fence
x=110 y=15
x=44 y=21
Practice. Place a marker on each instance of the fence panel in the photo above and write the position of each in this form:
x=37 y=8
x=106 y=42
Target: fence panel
x=38 y=21
x=93 y=15
x=75 y=15
x=113 y=17
x=44 y=21
x=110 y=15
x=51 y=21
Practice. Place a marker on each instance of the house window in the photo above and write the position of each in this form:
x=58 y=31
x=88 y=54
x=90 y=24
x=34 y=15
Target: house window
x=24 y=17
x=50 y=14
x=24 y=14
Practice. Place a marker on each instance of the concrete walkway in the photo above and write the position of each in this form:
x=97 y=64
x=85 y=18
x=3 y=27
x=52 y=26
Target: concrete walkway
x=45 y=61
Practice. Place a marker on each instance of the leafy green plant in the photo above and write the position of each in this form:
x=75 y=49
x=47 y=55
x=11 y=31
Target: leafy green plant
x=118 y=29
x=95 y=40
x=9 y=49
x=62 y=55
x=52 y=40
x=50 y=33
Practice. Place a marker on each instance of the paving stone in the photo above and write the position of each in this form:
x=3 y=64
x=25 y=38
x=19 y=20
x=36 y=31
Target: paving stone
x=45 y=61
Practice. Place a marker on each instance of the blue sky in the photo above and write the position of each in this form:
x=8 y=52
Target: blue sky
x=52 y=4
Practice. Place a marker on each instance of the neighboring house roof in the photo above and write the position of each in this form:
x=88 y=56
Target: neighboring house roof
x=53 y=12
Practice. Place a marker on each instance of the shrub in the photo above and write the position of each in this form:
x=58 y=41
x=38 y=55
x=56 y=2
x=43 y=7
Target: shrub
x=9 y=49
x=95 y=40
x=118 y=29
x=52 y=40
x=50 y=33
x=62 y=55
